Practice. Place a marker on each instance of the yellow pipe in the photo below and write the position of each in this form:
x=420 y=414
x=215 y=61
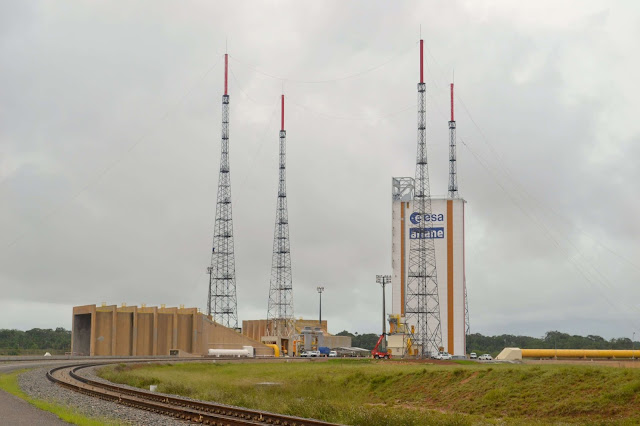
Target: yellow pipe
x=276 y=350
x=579 y=353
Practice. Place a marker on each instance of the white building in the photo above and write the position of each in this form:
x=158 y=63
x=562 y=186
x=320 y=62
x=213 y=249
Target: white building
x=447 y=220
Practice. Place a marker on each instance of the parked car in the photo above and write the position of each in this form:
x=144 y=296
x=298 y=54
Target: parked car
x=314 y=353
x=443 y=355
x=473 y=355
x=485 y=357
x=333 y=354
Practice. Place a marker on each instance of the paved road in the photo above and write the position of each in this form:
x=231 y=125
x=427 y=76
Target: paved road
x=16 y=411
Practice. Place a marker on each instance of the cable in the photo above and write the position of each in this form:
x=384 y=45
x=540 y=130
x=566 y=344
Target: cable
x=335 y=117
x=117 y=161
x=600 y=278
x=262 y=143
x=330 y=80
x=245 y=93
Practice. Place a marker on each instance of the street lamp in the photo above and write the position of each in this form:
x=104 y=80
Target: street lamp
x=383 y=280
x=320 y=290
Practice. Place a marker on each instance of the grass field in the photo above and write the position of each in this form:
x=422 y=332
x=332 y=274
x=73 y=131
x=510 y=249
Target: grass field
x=370 y=392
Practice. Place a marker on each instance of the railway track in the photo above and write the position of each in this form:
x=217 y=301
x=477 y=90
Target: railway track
x=208 y=413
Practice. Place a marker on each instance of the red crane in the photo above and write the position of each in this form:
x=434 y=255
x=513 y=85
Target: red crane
x=377 y=354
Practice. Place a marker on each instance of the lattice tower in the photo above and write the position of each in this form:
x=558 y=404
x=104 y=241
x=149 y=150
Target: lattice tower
x=453 y=193
x=467 y=322
x=280 y=319
x=422 y=301
x=453 y=168
x=222 y=302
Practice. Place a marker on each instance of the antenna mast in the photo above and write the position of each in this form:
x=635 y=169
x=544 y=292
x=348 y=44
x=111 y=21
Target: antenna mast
x=222 y=302
x=453 y=168
x=422 y=302
x=280 y=319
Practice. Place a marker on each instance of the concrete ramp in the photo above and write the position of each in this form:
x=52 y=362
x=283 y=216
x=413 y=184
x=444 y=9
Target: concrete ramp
x=510 y=354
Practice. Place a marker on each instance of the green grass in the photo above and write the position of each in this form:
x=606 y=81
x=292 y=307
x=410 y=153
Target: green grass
x=9 y=383
x=394 y=393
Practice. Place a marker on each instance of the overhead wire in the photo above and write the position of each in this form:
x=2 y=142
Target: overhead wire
x=335 y=117
x=320 y=81
x=102 y=173
x=506 y=170
x=596 y=279
x=600 y=279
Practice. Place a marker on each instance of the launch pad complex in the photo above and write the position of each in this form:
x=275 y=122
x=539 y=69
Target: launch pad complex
x=429 y=296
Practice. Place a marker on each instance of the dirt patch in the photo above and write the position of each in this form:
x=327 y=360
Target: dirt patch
x=473 y=376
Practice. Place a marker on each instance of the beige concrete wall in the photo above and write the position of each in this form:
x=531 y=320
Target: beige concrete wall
x=124 y=334
x=140 y=331
x=83 y=323
x=165 y=333
x=103 y=333
x=144 y=341
x=254 y=329
x=302 y=323
x=257 y=329
x=185 y=335
x=217 y=336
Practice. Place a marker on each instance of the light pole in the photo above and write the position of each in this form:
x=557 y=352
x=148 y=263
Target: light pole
x=320 y=290
x=633 y=345
x=383 y=280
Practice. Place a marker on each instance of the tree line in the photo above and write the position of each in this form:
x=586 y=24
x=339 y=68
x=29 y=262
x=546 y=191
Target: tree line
x=478 y=343
x=58 y=341
x=481 y=344
x=36 y=340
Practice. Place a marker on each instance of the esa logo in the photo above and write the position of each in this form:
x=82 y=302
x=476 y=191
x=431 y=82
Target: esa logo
x=415 y=218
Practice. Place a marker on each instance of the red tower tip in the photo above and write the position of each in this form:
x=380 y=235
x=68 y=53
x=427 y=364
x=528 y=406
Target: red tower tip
x=452 y=102
x=421 y=61
x=226 y=71
x=282 y=115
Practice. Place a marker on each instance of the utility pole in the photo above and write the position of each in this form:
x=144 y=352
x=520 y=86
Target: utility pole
x=633 y=345
x=222 y=304
x=320 y=290
x=384 y=280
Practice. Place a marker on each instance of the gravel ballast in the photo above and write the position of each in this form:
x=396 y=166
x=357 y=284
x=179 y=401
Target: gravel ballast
x=35 y=384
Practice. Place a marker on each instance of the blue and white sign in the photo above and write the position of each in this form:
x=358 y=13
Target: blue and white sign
x=426 y=233
x=416 y=218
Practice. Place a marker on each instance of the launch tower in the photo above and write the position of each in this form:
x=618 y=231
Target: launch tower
x=222 y=302
x=422 y=299
x=280 y=318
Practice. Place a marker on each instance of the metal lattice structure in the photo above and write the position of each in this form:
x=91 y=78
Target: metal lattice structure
x=280 y=319
x=222 y=302
x=453 y=193
x=422 y=301
x=467 y=323
x=453 y=168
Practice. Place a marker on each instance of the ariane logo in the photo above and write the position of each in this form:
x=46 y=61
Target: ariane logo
x=415 y=218
x=426 y=233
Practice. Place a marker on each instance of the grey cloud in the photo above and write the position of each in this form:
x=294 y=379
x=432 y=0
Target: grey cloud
x=112 y=97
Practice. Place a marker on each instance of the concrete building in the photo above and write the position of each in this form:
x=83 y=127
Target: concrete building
x=448 y=231
x=257 y=330
x=141 y=331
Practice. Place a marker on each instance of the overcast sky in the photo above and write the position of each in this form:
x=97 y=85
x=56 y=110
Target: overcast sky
x=110 y=147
